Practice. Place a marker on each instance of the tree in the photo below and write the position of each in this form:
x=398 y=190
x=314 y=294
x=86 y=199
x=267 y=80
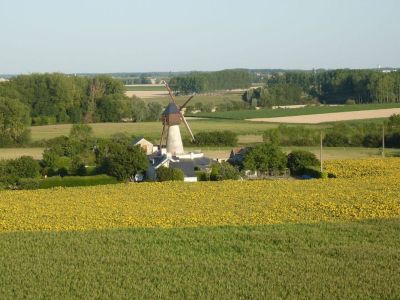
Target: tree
x=81 y=132
x=138 y=109
x=124 y=162
x=154 y=111
x=14 y=119
x=265 y=158
x=298 y=160
x=23 y=167
x=224 y=171
x=169 y=174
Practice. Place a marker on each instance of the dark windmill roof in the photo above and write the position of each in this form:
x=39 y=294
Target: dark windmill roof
x=187 y=166
x=171 y=109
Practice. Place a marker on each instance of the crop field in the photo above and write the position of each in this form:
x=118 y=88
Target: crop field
x=309 y=110
x=271 y=239
x=152 y=130
x=163 y=98
x=144 y=88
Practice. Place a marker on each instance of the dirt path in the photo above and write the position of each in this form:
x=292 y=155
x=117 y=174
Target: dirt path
x=332 y=117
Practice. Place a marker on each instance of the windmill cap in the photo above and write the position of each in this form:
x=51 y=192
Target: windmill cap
x=171 y=109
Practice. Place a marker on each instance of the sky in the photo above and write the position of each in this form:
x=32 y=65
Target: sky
x=97 y=36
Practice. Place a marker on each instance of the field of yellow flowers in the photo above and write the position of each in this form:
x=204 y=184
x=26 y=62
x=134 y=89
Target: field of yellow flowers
x=357 y=168
x=370 y=189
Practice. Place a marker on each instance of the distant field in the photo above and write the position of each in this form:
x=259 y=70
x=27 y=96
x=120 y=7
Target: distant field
x=152 y=130
x=309 y=110
x=162 y=97
x=145 y=88
x=332 y=117
x=9 y=153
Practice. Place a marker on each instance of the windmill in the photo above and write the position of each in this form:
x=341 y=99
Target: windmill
x=171 y=118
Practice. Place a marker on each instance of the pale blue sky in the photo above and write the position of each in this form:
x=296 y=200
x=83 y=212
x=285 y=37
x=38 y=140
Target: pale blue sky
x=134 y=36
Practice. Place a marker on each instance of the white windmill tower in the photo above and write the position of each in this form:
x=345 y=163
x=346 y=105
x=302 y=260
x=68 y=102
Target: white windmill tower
x=171 y=118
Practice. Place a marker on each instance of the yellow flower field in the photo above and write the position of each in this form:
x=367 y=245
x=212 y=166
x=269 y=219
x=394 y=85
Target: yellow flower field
x=201 y=204
x=356 y=168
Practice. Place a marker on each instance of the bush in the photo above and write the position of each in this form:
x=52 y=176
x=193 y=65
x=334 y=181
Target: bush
x=336 y=139
x=299 y=160
x=224 y=171
x=350 y=102
x=23 y=167
x=122 y=161
x=169 y=174
x=265 y=158
x=372 y=140
x=28 y=184
x=216 y=138
x=203 y=176
x=292 y=136
x=313 y=172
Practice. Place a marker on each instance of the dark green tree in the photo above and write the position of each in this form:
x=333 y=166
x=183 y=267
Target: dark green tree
x=124 y=162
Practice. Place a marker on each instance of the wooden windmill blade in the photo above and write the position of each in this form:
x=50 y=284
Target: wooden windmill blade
x=162 y=136
x=186 y=102
x=187 y=125
x=171 y=95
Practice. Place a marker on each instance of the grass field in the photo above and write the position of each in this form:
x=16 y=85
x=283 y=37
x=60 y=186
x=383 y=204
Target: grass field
x=152 y=130
x=145 y=88
x=309 y=261
x=310 y=110
x=330 y=239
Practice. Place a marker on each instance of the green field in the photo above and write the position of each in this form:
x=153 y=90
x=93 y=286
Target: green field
x=152 y=130
x=309 y=110
x=355 y=260
x=149 y=87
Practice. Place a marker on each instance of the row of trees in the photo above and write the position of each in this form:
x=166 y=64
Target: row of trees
x=201 y=82
x=338 y=86
x=339 y=135
x=43 y=99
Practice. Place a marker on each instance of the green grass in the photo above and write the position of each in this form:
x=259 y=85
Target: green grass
x=152 y=130
x=309 y=110
x=358 y=260
x=73 y=181
x=151 y=88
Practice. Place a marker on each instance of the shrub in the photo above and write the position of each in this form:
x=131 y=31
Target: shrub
x=350 y=101
x=372 y=140
x=169 y=174
x=28 y=184
x=224 y=171
x=23 y=167
x=203 y=176
x=265 y=158
x=216 y=138
x=336 y=139
x=292 y=136
x=298 y=160
x=122 y=161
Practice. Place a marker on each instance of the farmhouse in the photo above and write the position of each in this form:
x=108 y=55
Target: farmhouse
x=148 y=147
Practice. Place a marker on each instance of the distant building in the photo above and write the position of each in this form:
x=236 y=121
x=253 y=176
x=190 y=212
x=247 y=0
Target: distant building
x=3 y=79
x=188 y=165
x=148 y=147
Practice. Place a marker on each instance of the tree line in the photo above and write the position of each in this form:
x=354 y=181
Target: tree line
x=44 y=99
x=203 y=82
x=331 y=87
